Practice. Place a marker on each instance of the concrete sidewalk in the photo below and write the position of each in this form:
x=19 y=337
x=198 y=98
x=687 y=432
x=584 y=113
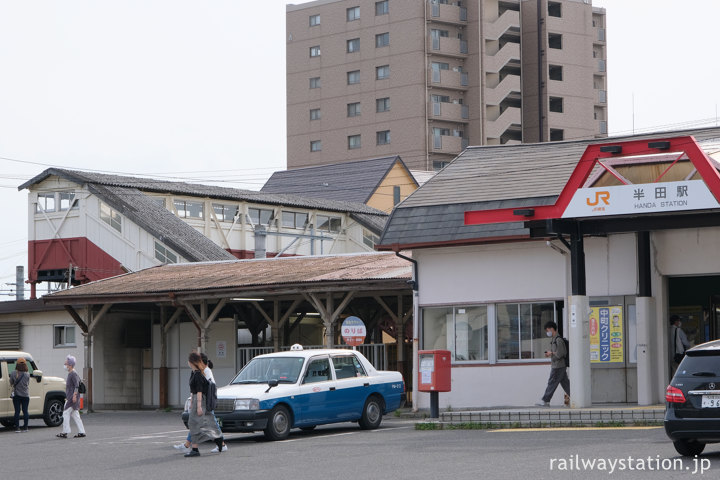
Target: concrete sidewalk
x=596 y=415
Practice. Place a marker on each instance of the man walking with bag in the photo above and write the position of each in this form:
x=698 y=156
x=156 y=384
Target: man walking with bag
x=558 y=366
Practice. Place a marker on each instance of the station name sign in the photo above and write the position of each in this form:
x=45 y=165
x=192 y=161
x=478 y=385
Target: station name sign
x=640 y=198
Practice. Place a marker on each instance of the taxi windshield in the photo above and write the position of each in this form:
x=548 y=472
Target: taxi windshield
x=262 y=370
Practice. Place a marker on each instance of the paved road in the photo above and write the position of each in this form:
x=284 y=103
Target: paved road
x=137 y=445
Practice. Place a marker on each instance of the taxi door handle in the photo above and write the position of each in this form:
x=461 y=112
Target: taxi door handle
x=332 y=388
x=366 y=384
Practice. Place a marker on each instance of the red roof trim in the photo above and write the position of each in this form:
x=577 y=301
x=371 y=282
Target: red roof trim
x=593 y=153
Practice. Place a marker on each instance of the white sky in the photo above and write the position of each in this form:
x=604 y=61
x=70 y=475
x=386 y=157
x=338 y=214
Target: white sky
x=170 y=87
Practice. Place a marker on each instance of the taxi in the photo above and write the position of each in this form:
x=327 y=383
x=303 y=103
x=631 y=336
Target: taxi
x=305 y=388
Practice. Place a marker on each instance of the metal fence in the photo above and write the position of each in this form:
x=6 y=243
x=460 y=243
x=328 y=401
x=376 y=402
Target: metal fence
x=376 y=353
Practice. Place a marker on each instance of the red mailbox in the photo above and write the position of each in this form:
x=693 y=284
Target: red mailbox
x=434 y=370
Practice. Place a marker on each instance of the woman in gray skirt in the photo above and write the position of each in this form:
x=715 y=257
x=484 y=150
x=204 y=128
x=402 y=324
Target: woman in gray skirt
x=201 y=422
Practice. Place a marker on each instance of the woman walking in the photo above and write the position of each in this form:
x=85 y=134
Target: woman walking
x=72 y=401
x=201 y=421
x=185 y=447
x=19 y=382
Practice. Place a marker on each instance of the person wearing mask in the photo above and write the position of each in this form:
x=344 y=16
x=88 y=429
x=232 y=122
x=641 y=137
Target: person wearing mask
x=201 y=422
x=185 y=447
x=20 y=382
x=72 y=401
x=558 y=366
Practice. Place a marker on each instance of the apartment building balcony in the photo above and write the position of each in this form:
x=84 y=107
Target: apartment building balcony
x=444 y=13
x=448 y=144
x=451 y=47
x=508 y=86
x=602 y=96
x=449 y=79
x=511 y=117
x=452 y=112
x=508 y=21
x=510 y=52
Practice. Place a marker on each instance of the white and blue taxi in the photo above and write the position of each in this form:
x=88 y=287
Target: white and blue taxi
x=305 y=388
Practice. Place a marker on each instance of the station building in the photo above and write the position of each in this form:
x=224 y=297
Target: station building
x=608 y=238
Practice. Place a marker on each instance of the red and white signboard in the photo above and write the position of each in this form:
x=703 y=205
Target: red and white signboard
x=353 y=331
x=641 y=198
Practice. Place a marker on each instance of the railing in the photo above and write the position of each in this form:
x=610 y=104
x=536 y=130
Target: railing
x=448 y=13
x=376 y=353
x=449 y=78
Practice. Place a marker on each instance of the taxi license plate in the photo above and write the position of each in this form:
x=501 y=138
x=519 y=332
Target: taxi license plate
x=710 y=401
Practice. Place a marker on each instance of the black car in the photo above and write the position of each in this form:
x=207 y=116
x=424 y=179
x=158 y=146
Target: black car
x=692 y=417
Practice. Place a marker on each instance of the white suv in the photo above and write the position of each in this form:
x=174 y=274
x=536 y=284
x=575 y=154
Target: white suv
x=47 y=394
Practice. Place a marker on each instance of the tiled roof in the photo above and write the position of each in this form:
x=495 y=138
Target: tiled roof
x=161 y=223
x=205 y=191
x=245 y=275
x=491 y=177
x=352 y=181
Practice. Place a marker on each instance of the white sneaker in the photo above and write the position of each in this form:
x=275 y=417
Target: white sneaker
x=542 y=404
x=182 y=448
x=215 y=450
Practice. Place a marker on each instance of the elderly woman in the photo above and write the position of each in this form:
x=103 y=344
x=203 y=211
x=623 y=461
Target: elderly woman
x=201 y=421
x=20 y=382
x=72 y=401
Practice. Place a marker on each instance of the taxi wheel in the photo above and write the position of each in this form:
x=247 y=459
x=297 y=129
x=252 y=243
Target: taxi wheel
x=372 y=414
x=278 y=426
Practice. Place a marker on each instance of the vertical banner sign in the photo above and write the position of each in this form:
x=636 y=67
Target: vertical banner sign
x=606 y=335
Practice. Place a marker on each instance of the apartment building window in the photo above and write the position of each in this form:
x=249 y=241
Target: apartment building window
x=353 y=13
x=260 y=216
x=353 y=142
x=314 y=114
x=353 y=45
x=382 y=105
x=440 y=66
x=315 y=145
x=382 y=8
x=440 y=98
x=555 y=72
x=189 y=209
x=315 y=51
x=382 y=39
x=383 y=137
x=326 y=223
x=110 y=216
x=314 y=20
x=382 y=72
x=555 y=41
x=164 y=254
x=64 y=336
x=353 y=77
x=294 y=219
x=556 y=104
x=557 y=134
x=315 y=82
x=555 y=9
x=225 y=213
x=353 y=109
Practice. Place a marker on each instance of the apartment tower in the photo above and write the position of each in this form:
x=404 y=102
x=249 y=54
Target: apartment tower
x=425 y=79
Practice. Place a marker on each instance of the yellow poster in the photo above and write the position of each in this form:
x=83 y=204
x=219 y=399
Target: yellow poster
x=606 y=334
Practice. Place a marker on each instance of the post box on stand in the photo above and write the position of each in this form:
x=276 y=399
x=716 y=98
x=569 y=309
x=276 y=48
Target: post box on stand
x=434 y=376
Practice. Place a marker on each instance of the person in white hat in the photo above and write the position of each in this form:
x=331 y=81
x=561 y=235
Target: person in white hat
x=72 y=401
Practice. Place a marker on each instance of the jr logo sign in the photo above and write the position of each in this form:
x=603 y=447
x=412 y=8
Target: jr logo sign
x=603 y=196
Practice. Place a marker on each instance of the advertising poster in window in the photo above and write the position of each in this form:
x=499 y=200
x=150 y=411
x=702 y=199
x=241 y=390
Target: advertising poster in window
x=606 y=334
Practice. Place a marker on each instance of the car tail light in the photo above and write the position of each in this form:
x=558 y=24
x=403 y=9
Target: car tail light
x=674 y=395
